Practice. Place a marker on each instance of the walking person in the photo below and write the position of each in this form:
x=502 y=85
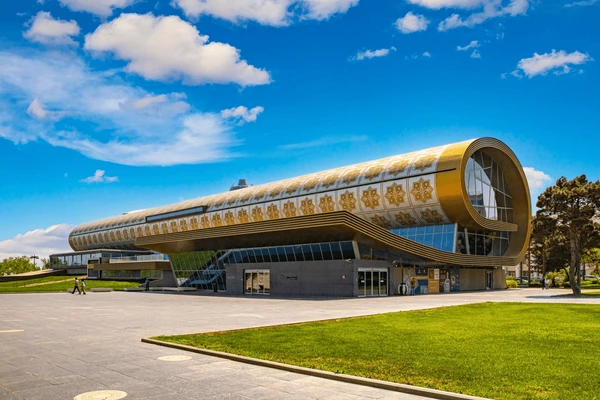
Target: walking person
x=147 y=285
x=76 y=287
x=83 y=285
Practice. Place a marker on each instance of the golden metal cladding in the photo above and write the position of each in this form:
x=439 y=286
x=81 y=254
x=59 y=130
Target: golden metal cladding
x=420 y=188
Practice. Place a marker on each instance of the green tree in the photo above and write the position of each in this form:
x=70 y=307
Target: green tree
x=591 y=257
x=549 y=245
x=16 y=265
x=574 y=206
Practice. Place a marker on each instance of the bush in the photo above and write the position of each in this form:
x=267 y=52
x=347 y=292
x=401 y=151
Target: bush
x=511 y=284
x=566 y=284
x=535 y=284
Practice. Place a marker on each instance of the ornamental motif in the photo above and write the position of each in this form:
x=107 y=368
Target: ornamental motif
x=431 y=216
x=425 y=162
x=164 y=228
x=381 y=221
x=373 y=172
x=126 y=234
x=246 y=196
x=243 y=216
x=119 y=235
x=347 y=201
x=277 y=189
x=405 y=219
x=422 y=190
x=326 y=204
x=307 y=207
x=113 y=237
x=229 y=218
x=257 y=214
x=95 y=238
x=289 y=209
x=216 y=220
x=184 y=225
x=398 y=167
x=329 y=180
x=106 y=237
x=310 y=184
x=148 y=231
x=350 y=176
x=395 y=194
x=132 y=232
x=291 y=188
x=370 y=198
x=84 y=240
x=204 y=221
x=262 y=192
x=140 y=231
x=194 y=223
x=273 y=211
x=174 y=226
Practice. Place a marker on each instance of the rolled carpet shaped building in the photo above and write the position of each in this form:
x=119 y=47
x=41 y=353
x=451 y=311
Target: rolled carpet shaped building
x=462 y=205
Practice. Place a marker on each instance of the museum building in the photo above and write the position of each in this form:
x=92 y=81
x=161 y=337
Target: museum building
x=443 y=219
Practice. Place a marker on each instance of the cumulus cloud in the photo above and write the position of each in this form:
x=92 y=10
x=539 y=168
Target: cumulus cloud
x=475 y=54
x=47 y=30
x=39 y=242
x=581 y=3
x=541 y=64
x=490 y=9
x=473 y=45
x=103 y=8
x=537 y=179
x=265 y=12
x=242 y=114
x=426 y=54
x=100 y=177
x=168 y=48
x=368 y=54
x=108 y=119
x=411 y=23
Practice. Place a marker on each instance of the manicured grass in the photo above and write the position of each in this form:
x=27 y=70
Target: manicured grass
x=496 y=350
x=58 y=284
x=595 y=293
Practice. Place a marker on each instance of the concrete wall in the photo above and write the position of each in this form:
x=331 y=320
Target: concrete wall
x=335 y=278
x=499 y=279
x=472 y=279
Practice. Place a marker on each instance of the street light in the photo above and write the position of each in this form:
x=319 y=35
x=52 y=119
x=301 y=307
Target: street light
x=34 y=259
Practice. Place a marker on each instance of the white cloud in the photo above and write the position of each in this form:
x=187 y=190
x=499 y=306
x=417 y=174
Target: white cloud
x=473 y=45
x=47 y=30
x=39 y=242
x=438 y=4
x=581 y=3
x=537 y=179
x=412 y=23
x=323 y=9
x=475 y=54
x=99 y=177
x=265 y=12
x=361 y=55
x=541 y=64
x=242 y=114
x=108 y=119
x=427 y=54
x=490 y=9
x=324 y=141
x=102 y=8
x=167 y=48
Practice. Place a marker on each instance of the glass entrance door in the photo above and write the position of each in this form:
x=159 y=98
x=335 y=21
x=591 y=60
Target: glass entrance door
x=257 y=281
x=372 y=282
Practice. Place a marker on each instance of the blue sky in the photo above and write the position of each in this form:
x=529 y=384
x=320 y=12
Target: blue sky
x=108 y=106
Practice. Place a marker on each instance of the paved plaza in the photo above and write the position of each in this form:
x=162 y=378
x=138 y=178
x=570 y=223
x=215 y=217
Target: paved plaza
x=58 y=346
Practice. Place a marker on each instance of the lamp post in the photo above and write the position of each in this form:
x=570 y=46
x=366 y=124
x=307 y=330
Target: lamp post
x=34 y=259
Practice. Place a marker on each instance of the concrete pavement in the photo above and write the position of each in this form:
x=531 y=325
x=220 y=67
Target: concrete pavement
x=56 y=346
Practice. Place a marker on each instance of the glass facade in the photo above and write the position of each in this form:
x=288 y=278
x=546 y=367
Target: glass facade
x=440 y=237
x=482 y=243
x=487 y=188
x=206 y=269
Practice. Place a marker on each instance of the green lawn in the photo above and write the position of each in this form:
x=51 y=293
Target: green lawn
x=595 y=293
x=497 y=350
x=58 y=284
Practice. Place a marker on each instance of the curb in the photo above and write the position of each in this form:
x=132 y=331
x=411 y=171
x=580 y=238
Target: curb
x=375 y=383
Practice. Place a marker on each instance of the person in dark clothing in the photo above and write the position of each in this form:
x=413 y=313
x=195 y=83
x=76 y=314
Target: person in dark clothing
x=147 y=285
x=76 y=287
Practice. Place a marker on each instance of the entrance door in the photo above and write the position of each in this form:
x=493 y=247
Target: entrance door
x=372 y=282
x=489 y=280
x=257 y=281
